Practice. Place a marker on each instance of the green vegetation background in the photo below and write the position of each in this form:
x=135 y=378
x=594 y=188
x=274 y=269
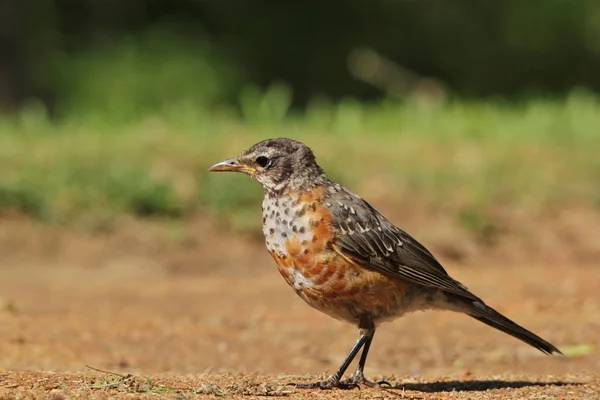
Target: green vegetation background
x=128 y=103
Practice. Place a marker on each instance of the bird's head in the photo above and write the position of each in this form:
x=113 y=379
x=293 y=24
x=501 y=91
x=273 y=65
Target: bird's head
x=277 y=164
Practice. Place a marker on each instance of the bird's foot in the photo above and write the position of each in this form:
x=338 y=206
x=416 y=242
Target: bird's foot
x=330 y=383
x=359 y=379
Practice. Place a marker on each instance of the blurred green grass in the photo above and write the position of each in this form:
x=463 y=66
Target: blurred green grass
x=88 y=168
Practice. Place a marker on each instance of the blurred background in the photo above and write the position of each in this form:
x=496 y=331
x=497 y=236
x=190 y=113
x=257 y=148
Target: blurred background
x=456 y=118
x=474 y=125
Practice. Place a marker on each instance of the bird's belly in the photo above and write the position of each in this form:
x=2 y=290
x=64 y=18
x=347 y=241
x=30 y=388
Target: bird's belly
x=348 y=292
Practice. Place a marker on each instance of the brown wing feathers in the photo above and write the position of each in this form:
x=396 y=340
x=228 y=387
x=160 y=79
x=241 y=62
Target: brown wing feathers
x=366 y=237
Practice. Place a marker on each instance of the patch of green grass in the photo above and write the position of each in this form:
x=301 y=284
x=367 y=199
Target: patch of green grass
x=479 y=223
x=145 y=73
x=470 y=155
x=22 y=199
x=142 y=195
x=578 y=350
x=127 y=383
x=233 y=197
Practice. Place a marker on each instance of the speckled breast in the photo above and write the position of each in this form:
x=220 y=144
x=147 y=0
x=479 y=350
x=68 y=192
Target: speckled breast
x=300 y=237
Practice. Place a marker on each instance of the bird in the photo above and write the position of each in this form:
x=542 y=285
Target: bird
x=346 y=259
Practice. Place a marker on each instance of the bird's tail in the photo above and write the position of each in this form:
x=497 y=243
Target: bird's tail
x=493 y=318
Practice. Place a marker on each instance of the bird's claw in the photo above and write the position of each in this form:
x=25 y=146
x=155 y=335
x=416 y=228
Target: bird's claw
x=326 y=384
x=359 y=379
x=353 y=382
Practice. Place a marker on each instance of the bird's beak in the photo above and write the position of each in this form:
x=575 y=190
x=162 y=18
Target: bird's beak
x=230 y=165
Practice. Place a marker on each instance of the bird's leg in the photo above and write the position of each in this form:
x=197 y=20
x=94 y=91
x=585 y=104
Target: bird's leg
x=358 y=377
x=334 y=380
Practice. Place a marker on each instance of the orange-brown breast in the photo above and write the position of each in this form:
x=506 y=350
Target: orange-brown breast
x=301 y=241
x=301 y=236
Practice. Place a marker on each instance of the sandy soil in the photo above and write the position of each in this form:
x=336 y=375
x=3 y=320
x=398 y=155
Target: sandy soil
x=231 y=327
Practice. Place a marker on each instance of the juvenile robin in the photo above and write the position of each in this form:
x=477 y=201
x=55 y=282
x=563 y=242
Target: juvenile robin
x=345 y=259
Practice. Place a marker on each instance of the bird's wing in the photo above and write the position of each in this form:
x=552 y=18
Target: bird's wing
x=367 y=238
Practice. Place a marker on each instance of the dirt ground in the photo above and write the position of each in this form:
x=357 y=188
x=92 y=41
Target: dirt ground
x=200 y=319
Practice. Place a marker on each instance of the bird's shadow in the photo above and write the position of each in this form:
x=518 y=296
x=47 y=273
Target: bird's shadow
x=474 y=386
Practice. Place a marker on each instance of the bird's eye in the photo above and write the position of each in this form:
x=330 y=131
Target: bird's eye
x=262 y=161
